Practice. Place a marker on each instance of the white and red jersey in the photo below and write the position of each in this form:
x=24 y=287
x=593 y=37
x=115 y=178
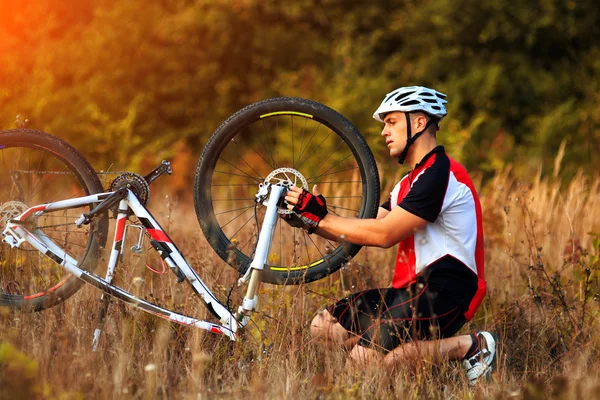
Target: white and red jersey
x=440 y=191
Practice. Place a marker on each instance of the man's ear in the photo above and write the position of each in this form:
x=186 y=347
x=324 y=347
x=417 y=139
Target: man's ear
x=421 y=122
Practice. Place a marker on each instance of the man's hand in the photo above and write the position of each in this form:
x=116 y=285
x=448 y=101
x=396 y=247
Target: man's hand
x=293 y=220
x=309 y=208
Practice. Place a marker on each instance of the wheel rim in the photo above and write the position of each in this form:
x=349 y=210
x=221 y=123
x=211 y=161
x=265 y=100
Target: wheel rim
x=275 y=141
x=32 y=175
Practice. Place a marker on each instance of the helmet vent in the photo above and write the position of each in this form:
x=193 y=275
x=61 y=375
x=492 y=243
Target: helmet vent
x=403 y=95
x=410 y=103
x=391 y=95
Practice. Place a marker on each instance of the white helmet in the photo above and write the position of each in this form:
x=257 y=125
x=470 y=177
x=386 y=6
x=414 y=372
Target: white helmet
x=413 y=98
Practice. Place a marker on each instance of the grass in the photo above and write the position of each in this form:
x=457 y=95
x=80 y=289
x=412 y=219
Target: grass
x=542 y=260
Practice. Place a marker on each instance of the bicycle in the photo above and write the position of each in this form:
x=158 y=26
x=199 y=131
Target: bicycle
x=54 y=212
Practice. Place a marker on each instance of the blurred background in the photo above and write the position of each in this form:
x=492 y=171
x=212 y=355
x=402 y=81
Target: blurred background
x=131 y=82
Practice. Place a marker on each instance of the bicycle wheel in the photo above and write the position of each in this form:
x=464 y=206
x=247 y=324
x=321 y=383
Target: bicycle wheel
x=37 y=168
x=283 y=138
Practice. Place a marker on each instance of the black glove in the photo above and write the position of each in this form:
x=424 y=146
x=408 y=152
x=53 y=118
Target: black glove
x=310 y=210
x=293 y=220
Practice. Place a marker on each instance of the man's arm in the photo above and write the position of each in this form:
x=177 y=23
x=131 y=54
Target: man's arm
x=385 y=231
x=381 y=213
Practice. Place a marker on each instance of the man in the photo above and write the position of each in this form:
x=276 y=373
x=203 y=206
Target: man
x=434 y=216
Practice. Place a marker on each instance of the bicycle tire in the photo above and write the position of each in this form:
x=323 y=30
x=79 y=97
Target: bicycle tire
x=241 y=132
x=38 y=168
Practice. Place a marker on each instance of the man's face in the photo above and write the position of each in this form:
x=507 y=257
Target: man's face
x=394 y=132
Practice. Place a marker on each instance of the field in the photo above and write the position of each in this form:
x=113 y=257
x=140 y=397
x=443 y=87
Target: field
x=542 y=261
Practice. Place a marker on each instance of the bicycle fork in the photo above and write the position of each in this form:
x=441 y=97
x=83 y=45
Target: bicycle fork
x=263 y=248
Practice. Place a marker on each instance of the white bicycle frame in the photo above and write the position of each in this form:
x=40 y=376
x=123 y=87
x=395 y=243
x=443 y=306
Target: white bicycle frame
x=15 y=234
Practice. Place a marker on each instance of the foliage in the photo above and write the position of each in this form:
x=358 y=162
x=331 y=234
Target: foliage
x=124 y=81
x=17 y=374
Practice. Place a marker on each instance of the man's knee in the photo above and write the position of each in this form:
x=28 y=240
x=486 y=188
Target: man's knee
x=325 y=325
x=361 y=356
x=390 y=361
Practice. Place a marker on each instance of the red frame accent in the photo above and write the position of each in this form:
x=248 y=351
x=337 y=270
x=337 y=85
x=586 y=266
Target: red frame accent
x=158 y=235
x=51 y=290
x=31 y=211
x=120 y=229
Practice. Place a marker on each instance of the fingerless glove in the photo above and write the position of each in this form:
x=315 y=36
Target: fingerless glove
x=311 y=210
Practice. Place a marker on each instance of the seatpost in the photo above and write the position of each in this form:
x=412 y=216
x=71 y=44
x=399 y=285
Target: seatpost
x=265 y=239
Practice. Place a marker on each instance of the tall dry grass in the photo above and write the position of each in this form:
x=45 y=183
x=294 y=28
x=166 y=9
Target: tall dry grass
x=542 y=259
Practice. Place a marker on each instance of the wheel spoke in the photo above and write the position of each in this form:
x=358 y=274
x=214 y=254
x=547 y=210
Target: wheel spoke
x=311 y=153
x=260 y=155
x=236 y=217
x=336 y=172
x=329 y=156
x=235 y=209
x=267 y=147
x=296 y=166
x=243 y=176
x=334 y=207
x=243 y=172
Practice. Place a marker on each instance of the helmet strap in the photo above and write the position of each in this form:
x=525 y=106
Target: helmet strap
x=411 y=139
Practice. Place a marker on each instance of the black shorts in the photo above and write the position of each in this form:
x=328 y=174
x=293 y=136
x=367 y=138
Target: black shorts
x=388 y=317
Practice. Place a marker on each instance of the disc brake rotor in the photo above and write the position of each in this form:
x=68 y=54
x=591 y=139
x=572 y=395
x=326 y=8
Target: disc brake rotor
x=286 y=176
x=11 y=210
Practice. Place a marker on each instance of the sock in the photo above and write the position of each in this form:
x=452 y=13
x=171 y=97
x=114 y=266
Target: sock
x=474 y=346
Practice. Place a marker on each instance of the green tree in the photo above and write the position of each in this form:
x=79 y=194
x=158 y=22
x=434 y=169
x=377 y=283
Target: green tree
x=124 y=81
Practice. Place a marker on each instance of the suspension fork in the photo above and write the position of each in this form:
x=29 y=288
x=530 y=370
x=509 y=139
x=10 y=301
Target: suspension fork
x=263 y=247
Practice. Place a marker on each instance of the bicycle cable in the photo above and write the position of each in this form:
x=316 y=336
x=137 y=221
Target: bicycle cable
x=56 y=225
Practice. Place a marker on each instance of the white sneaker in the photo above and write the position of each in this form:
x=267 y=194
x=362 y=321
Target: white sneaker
x=482 y=363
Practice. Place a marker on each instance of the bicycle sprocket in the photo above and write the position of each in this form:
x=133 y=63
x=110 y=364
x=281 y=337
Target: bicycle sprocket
x=134 y=182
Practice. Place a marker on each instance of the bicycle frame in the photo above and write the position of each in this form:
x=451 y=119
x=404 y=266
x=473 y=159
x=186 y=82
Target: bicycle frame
x=16 y=233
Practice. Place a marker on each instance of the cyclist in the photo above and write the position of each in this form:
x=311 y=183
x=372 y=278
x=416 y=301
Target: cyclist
x=434 y=216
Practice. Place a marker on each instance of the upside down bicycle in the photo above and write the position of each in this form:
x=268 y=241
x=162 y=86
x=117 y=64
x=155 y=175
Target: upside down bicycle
x=54 y=212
